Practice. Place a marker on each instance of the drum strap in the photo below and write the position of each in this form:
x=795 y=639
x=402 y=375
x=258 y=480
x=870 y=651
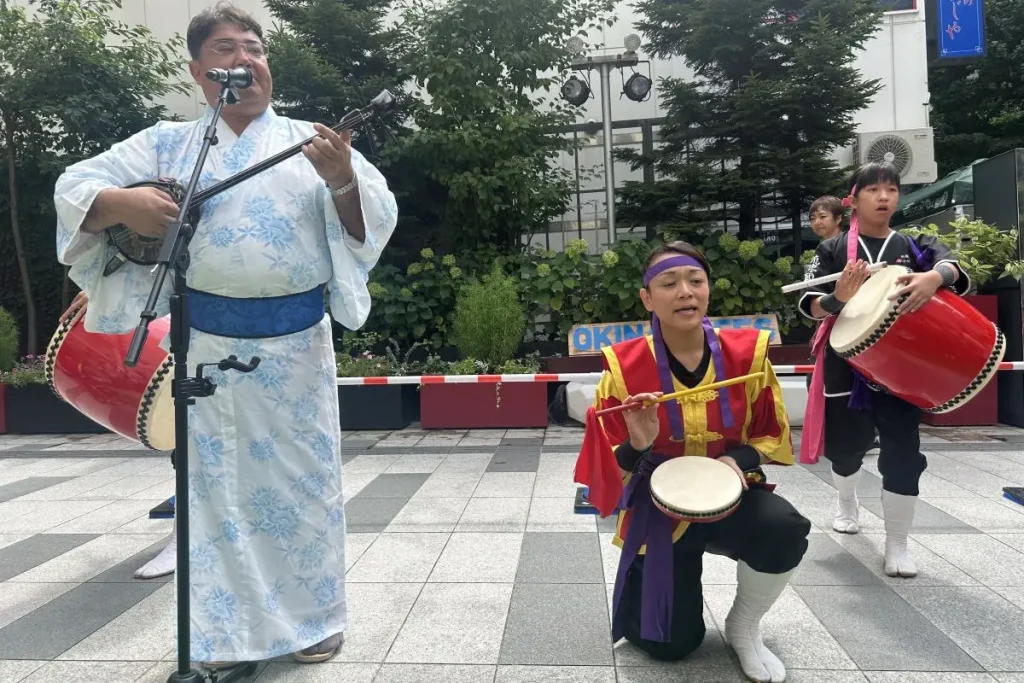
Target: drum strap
x=260 y=318
x=647 y=525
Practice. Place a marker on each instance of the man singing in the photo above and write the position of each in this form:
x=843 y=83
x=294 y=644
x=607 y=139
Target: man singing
x=267 y=541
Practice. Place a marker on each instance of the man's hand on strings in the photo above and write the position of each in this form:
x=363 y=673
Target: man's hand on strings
x=331 y=156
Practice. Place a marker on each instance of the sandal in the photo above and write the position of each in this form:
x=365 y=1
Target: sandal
x=322 y=651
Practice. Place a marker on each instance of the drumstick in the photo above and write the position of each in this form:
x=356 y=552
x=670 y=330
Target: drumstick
x=680 y=394
x=874 y=267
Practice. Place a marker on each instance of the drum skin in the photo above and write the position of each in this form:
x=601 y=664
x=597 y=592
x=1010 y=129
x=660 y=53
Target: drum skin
x=695 y=489
x=87 y=370
x=937 y=358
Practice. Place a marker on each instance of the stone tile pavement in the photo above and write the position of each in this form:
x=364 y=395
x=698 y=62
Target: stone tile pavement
x=467 y=564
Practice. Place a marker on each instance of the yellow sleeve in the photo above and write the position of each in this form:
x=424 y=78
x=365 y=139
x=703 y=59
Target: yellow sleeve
x=768 y=428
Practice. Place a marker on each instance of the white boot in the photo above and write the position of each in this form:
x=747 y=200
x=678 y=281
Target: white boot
x=164 y=563
x=755 y=594
x=899 y=516
x=847 y=520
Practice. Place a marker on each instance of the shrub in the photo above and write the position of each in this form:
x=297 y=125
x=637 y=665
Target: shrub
x=985 y=253
x=489 y=320
x=8 y=341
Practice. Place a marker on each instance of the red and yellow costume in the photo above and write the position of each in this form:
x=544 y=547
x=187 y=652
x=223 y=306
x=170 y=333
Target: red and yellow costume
x=630 y=369
x=754 y=416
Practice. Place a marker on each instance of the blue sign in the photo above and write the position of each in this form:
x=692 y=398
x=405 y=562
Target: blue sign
x=961 y=27
x=590 y=339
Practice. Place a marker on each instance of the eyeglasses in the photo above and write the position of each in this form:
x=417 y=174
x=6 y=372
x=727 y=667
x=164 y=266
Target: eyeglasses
x=224 y=49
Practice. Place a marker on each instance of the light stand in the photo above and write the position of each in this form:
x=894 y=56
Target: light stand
x=605 y=64
x=174 y=251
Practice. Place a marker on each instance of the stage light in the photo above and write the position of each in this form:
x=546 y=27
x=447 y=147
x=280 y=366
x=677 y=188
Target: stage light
x=632 y=42
x=637 y=88
x=575 y=91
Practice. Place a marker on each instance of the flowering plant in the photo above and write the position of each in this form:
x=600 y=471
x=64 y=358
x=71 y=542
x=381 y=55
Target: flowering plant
x=29 y=370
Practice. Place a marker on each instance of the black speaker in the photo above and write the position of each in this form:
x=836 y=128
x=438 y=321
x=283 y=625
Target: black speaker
x=999 y=201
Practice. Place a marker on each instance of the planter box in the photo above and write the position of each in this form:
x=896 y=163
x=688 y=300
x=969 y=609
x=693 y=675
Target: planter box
x=484 y=406
x=983 y=409
x=378 y=408
x=35 y=409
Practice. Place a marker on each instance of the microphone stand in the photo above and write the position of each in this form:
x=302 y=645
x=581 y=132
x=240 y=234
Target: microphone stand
x=174 y=253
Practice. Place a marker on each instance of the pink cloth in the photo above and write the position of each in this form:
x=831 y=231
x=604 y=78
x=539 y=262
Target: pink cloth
x=812 y=440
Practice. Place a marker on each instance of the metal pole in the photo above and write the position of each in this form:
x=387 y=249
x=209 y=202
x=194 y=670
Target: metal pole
x=609 y=170
x=576 y=163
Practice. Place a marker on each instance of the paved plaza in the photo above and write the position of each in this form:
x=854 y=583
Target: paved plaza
x=467 y=564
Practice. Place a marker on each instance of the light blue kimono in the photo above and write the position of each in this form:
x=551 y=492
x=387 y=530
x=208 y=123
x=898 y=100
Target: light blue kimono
x=267 y=541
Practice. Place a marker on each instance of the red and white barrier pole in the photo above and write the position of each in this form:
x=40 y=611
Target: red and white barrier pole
x=585 y=377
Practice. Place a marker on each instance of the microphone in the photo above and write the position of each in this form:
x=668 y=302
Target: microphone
x=239 y=77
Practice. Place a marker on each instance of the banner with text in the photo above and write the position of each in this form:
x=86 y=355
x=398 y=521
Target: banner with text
x=590 y=339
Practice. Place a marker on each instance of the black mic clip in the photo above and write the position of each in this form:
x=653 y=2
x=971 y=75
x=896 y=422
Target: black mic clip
x=240 y=77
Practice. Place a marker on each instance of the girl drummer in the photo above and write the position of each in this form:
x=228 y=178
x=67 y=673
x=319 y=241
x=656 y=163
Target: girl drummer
x=658 y=602
x=842 y=408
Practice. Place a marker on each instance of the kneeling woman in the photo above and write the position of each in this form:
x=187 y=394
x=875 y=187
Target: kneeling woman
x=658 y=601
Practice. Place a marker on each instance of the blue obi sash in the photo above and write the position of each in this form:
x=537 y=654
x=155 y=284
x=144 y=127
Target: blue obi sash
x=256 y=318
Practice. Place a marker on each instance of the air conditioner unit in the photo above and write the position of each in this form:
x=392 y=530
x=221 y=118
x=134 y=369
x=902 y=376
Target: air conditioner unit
x=912 y=151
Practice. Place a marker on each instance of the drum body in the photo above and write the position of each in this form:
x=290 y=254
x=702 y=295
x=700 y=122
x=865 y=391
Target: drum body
x=937 y=358
x=87 y=370
x=696 y=489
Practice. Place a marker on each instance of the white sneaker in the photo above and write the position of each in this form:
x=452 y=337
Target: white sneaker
x=755 y=594
x=847 y=520
x=899 y=517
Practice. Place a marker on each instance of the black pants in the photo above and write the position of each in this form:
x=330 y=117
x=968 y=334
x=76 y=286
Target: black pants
x=766 y=532
x=849 y=434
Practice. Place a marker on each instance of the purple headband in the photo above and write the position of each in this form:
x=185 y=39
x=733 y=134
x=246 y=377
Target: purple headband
x=674 y=262
x=672 y=409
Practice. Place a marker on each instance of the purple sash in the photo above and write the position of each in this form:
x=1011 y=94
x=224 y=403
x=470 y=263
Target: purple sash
x=647 y=525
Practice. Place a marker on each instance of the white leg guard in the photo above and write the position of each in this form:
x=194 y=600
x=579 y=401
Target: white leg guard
x=164 y=563
x=899 y=517
x=847 y=520
x=755 y=594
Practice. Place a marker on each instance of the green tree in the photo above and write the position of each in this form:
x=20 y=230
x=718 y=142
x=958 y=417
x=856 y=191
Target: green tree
x=978 y=108
x=75 y=81
x=775 y=91
x=332 y=56
x=480 y=161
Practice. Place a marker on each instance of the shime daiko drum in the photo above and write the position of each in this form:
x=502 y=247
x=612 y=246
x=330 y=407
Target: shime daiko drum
x=937 y=358
x=696 y=489
x=87 y=370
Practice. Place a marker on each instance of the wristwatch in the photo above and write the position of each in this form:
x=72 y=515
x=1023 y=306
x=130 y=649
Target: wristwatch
x=352 y=184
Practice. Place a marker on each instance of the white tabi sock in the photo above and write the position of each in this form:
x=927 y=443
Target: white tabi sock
x=755 y=594
x=847 y=520
x=899 y=517
x=164 y=563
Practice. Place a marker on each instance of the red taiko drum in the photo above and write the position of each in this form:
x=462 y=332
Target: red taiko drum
x=937 y=358
x=87 y=370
